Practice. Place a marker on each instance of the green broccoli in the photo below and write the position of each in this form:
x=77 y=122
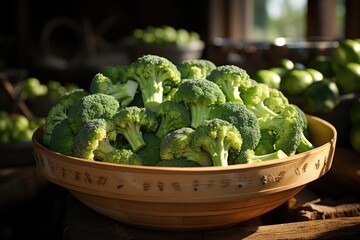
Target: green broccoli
x=153 y=73
x=232 y=80
x=115 y=73
x=62 y=138
x=242 y=118
x=177 y=162
x=249 y=156
x=123 y=156
x=123 y=92
x=266 y=142
x=195 y=68
x=199 y=95
x=131 y=121
x=92 y=142
x=276 y=101
x=288 y=129
x=305 y=143
x=173 y=116
x=59 y=111
x=177 y=144
x=219 y=138
x=150 y=153
x=97 y=105
x=254 y=99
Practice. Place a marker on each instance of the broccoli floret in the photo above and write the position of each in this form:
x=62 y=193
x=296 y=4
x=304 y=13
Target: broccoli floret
x=97 y=105
x=177 y=162
x=305 y=143
x=115 y=73
x=59 y=111
x=288 y=129
x=266 y=142
x=92 y=142
x=232 y=80
x=199 y=95
x=150 y=153
x=276 y=101
x=249 y=156
x=131 y=121
x=123 y=92
x=173 y=116
x=62 y=138
x=217 y=137
x=254 y=98
x=242 y=118
x=153 y=73
x=195 y=68
x=123 y=156
x=177 y=144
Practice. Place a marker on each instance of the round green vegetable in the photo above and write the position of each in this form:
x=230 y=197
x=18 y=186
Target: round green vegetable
x=321 y=97
x=295 y=82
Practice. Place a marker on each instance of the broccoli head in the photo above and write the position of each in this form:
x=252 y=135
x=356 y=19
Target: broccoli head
x=288 y=129
x=266 y=142
x=254 y=98
x=92 y=142
x=305 y=143
x=150 y=153
x=276 y=101
x=177 y=144
x=153 y=73
x=123 y=92
x=249 y=156
x=199 y=95
x=92 y=106
x=59 y=111
x=177 y=162
x=242 y=118
x=219 y=138
x=115 y=73
x=173 y=116
x=62 y=138
x=131 y=121
x=123 y=156
x=195 y=68
x=232 y=80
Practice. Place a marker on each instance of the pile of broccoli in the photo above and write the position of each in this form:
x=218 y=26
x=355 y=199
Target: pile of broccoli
x=194 y=114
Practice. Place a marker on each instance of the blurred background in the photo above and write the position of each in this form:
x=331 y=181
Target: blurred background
x=71 y=40
x=50 y=47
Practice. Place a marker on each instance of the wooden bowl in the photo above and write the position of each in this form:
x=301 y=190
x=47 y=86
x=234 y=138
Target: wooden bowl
x=167 y=198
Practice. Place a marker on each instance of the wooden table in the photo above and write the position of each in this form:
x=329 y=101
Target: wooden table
x=83 y=223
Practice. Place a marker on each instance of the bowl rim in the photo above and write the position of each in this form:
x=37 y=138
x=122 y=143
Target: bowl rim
x=185 y=170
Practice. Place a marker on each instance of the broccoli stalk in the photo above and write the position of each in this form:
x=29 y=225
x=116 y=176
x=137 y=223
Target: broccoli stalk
x=177 y=144
x=130 y=121
x=123 y=92
x=254 y=98
x=217 y=137
x=173 y=116
x=249 y=156
x=92 y=142
x=195 y=68
x=232 y=80
x=153 y=74
x=199 y=95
